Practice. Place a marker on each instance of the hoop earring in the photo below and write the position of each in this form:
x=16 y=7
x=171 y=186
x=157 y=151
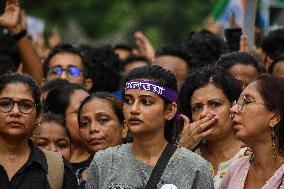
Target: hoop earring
x=274 y=147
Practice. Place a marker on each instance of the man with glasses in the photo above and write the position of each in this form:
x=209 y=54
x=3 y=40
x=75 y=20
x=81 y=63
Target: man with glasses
x=66 y=62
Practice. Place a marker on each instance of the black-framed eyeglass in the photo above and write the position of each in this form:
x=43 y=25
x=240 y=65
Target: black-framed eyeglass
x=25 y=106
x=72 y=71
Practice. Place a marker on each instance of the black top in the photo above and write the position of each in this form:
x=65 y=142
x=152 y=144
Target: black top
x=82 y=164
x=33 y=174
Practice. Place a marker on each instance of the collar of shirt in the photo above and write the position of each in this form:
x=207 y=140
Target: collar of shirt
x=37 y=156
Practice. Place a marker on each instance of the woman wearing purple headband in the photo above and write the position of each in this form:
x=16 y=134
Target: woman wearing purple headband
x=152 y=160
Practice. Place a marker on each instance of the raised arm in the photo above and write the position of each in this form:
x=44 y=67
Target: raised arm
x=144 y=46
x=15 y=23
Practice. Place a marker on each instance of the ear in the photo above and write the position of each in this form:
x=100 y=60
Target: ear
x=38 y=118
x=171 y=111
x=124 y=130
x=88 y=83
x=275 y=120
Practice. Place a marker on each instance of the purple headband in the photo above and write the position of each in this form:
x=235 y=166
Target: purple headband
x=153 y=87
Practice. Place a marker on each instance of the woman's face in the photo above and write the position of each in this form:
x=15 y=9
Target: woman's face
x=99 y=126
x=251 y=116
x=15 y=123
x=211 y=100
x=51 y=136
x=144 y=112
x=71 y=114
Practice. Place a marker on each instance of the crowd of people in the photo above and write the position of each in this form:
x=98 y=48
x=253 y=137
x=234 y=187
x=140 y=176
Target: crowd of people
x=193 y=115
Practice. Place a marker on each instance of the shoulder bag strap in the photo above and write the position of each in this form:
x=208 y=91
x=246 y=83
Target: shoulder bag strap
x=160 y=166
x=55 y=165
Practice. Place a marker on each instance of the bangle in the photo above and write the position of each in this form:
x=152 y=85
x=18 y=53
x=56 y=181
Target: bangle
x=19 y=35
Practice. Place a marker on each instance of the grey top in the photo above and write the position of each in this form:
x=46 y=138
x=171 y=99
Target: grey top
x=117 y=168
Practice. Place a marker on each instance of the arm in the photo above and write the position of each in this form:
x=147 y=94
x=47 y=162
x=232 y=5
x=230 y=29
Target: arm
x=93 y=178
x=12 y=20
x=244 y=44
x=144 y=46
x=203 y=178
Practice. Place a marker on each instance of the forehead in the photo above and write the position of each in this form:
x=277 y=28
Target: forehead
x=279 y=69
x=52 y=129
x=17 y=91
x=252 y=90
x=98 y=105
x=77 y=97
x=170 y=62
x=137 y=93
x=207 y=92
x=243 y=72
x=65 y=59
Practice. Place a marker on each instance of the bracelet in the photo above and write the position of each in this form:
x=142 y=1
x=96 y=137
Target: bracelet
x=19 y=35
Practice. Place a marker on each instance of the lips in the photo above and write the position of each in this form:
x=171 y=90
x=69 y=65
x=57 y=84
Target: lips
x=14 y=124
x=95 y=141
x=236 y=124
x=134 y=121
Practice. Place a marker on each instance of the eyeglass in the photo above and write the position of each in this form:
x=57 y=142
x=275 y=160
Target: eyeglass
x=25 y=106
x=245 y=101
x=71 y=71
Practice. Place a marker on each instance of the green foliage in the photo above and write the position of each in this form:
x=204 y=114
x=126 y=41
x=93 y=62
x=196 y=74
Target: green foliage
x=163 y=21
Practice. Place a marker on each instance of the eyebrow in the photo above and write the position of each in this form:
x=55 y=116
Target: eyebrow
x=18 y=99
x=210 y=100
x=140 y=96
x=65 y=139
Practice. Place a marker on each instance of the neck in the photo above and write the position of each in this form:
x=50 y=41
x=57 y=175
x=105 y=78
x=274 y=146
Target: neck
x=224 y=148
x=261 y=161
x=148 y=148
x=12 y=149
x=78 y=153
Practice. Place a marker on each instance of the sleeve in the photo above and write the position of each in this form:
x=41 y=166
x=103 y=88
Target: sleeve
x=70 y=181
x=203 y=178
x=93 y=177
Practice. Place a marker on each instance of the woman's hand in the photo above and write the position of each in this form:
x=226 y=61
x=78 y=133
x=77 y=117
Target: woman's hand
x=144 y=46
x=244 y=44
x=11 y=16
x=195 y=132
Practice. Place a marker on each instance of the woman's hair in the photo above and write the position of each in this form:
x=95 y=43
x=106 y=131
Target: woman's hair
x=116 y=104
x=53 y=83
x=48 y=117
x=58 y=98
x=211 y=74
x=163 y=77
x=271 y=89
x=25 y=79
x=229 y=60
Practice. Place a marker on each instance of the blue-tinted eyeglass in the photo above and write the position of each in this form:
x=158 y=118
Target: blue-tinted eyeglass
x=71 y=71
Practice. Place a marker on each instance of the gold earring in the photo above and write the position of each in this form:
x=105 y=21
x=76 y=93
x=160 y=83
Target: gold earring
x=272 y=124
x=274 y=147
